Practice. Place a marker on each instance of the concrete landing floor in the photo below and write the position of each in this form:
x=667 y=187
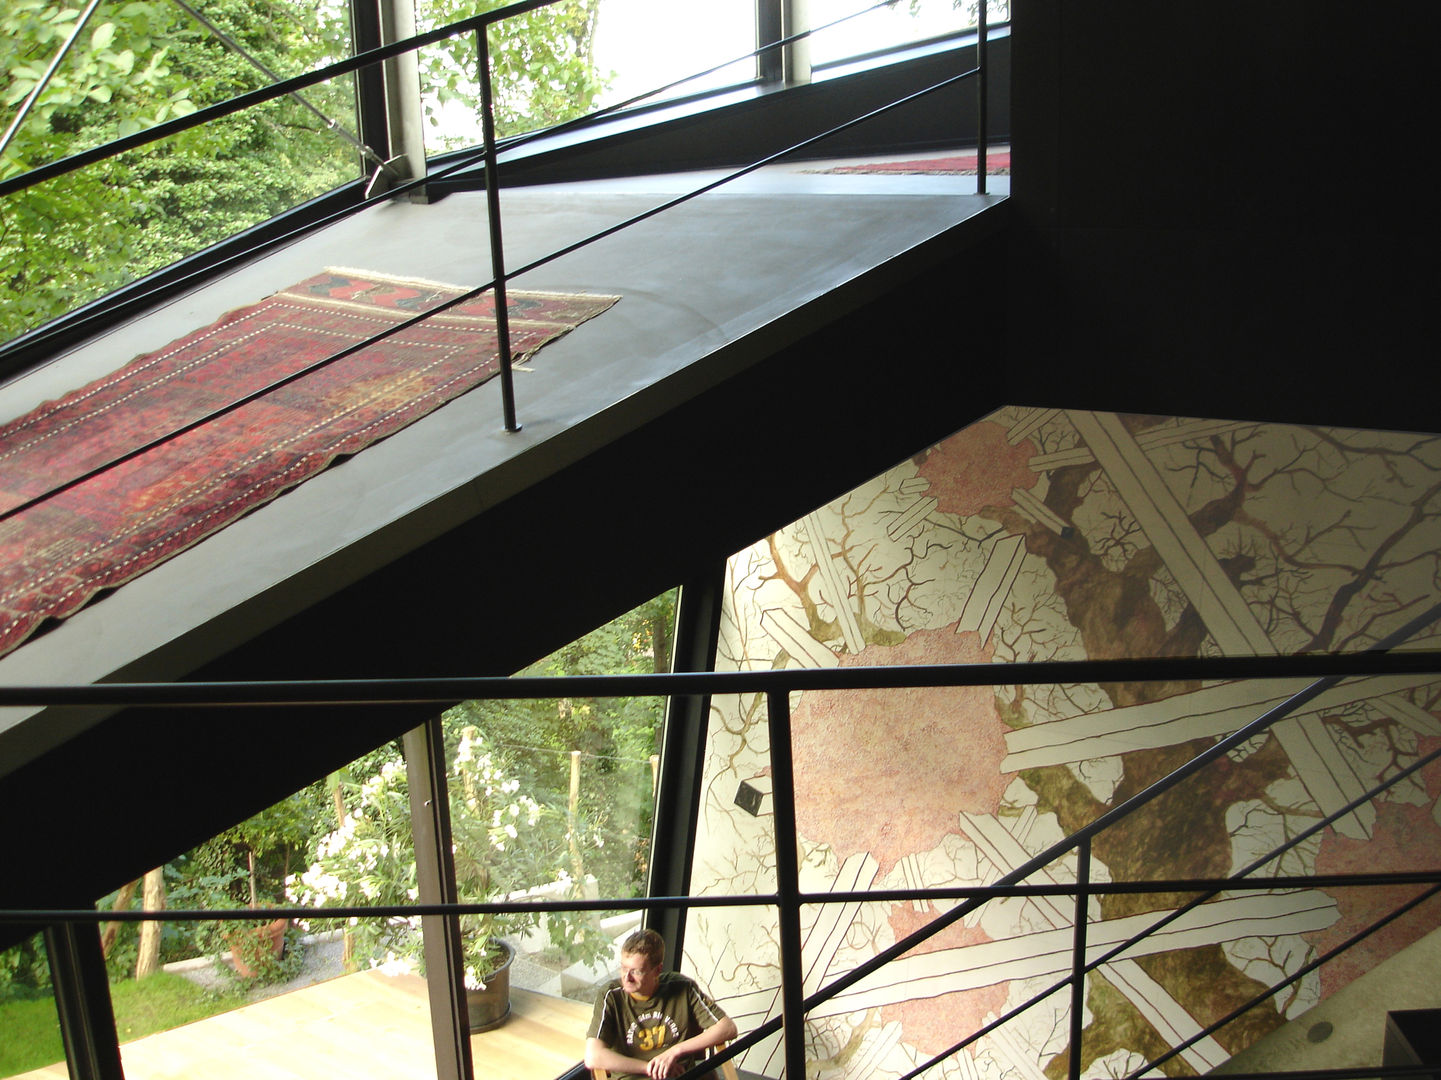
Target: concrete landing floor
x=707 y=289
x=1347 y=1029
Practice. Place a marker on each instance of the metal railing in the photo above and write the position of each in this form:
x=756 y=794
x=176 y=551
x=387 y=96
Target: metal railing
x=788 y=898
x=488 y=156
x=777 y=686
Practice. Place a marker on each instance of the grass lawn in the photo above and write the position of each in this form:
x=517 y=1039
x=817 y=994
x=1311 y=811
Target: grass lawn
x=30 y=1032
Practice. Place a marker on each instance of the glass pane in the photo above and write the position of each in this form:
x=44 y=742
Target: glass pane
x=888 y=27
x=554 y=799
x=72 y=239
x=565 y=60
x=169 y=978
x=29 y=1025
x=548 y=800
x=543 y=70
x=642 y=45
x=271 y=978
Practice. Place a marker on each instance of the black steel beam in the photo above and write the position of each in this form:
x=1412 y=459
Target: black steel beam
x=435 y=877
x=697 y=630
x=82 y=999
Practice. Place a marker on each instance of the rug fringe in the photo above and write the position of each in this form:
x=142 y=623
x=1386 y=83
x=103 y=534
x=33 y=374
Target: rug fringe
x=426 y=283
x=391 y=279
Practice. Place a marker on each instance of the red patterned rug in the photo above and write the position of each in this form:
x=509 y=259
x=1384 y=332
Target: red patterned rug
x=998 y=163
x=56 y=554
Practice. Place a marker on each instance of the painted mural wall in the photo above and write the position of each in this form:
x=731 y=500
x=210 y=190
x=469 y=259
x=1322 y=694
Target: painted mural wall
x=1056 y=535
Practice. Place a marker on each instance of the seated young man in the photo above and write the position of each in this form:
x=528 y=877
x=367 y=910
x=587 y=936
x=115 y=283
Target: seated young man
x=651 y=1022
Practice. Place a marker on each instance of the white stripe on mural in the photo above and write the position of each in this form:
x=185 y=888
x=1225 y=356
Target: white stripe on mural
x=909 y=520
x=786 y=631
x=833 y=586
x=988 y=595
x=1028 y=424
x=1038 y=511
x=1151 y=1000
x=1206 y=713
x=1048 y=952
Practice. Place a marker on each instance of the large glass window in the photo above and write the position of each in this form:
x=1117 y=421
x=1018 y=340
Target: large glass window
x=549 y=799
x=645 y=44
x=29 y=1025
x=132 y=66
x=554 y=799
x=892 y=26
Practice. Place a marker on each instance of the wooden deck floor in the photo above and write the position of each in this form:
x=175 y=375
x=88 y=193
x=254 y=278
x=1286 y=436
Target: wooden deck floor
x=362 y=1026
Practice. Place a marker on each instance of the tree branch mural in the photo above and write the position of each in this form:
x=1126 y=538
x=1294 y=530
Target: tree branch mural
x=1067 y=535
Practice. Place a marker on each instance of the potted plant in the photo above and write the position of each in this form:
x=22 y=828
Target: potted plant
x=505 y=842
x=246 y=866
x=256 y=950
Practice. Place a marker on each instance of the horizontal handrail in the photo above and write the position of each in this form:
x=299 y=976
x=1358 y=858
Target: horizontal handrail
x=1011 y=884
x=260 y=96
x=440 y=690
x=359 y=61
x=1376 y=879
x=459 y=161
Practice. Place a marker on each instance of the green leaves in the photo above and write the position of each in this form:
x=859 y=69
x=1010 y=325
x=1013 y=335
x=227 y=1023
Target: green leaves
x=136 y=64
x=102 y=36
x=542 y=67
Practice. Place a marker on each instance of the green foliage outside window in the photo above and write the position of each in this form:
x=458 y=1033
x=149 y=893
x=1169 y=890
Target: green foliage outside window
x=542 y=793
x=614 y=736
x=137 y=63
x=518 y=823
x=542 y=62
x=24 y=970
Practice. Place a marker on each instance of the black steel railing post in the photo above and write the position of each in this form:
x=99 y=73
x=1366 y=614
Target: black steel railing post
x=788 y=888
x=982 y=98
x=1078 y=962
x=497 y=246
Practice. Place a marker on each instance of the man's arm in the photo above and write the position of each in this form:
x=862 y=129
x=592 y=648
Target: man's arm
x=666 y=1063
x=600 y=1056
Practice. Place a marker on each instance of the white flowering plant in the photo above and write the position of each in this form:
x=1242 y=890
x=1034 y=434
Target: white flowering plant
x=505 y=842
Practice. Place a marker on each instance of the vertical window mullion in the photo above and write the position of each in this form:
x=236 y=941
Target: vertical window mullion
x=82 y=998
x=370 y=109
x=777 y=20
x=796 y=19
x=683 y=746
x=769 y=29
x=435 y=879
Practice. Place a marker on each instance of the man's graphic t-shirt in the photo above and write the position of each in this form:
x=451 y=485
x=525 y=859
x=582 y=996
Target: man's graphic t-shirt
x=642 y=1029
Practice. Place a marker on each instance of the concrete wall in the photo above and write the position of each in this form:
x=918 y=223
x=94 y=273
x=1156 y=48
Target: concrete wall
x=1237 y=189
